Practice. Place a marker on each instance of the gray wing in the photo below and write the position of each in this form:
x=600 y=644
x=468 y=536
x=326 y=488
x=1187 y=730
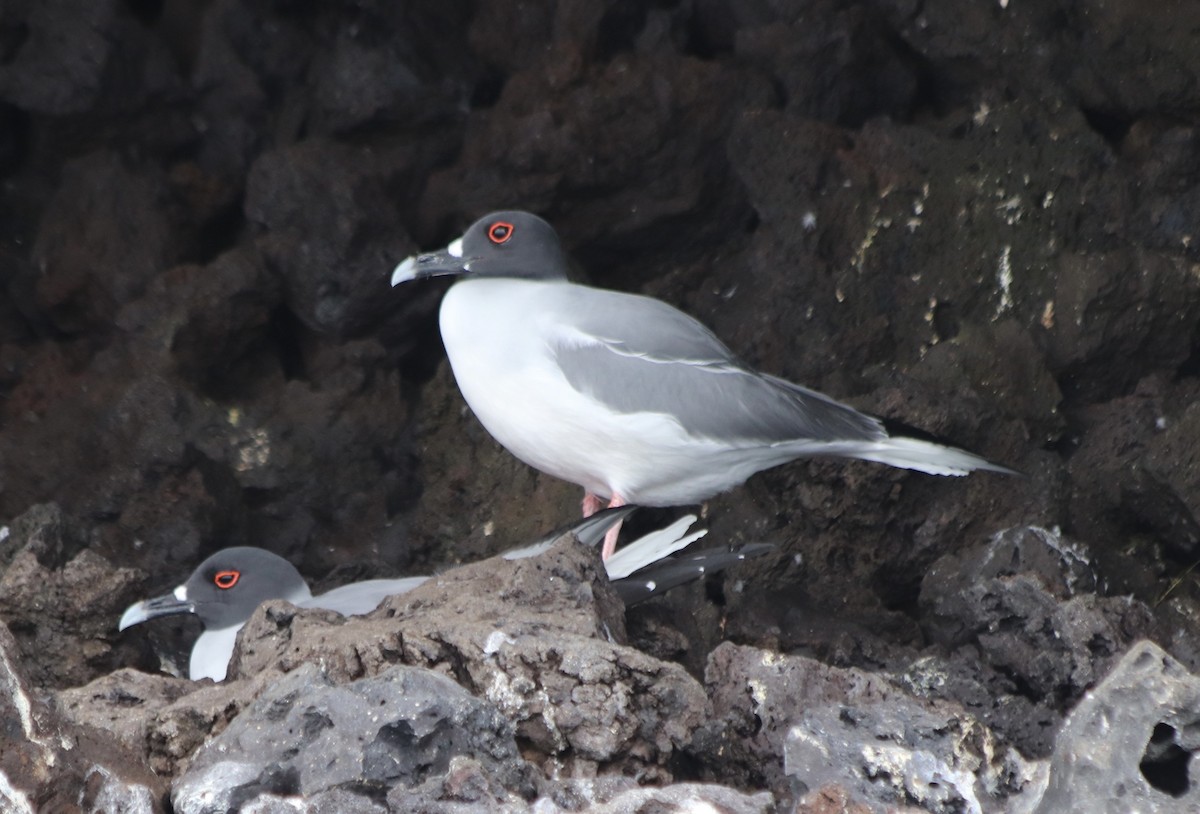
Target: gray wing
x=637 y=354
x=358 y=598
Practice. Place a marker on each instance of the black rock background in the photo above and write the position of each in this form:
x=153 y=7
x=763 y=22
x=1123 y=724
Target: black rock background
x=977 y=218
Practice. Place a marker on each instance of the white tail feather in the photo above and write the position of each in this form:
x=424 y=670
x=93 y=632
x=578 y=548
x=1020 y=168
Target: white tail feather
x=906 y=453
x=653 y=547
x=923 y=456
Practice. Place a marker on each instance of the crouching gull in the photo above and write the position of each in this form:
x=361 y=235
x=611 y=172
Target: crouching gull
x=622 y=394
x=225 y=589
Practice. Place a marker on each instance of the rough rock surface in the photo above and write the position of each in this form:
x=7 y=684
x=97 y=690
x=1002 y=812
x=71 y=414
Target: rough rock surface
x=902 y=752
x=975 y=218
x=399 y=729
x=538 y=638
x=47 y=765
x=796 y=724
x=59 y=599
x=1131 y=743
x=1020 y=632
x=123 y=703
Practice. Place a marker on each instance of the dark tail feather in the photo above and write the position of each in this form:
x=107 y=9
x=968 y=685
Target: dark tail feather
x=672 y=572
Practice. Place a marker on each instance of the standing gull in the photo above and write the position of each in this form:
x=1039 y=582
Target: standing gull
x=626 y=396
x=225 y=589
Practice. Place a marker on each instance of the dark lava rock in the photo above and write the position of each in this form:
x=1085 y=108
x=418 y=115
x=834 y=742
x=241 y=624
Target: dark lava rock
x=89 y=260
x=47 y=763
x=1115 y=61
x=215 y=320
x=315 y=237
x=1122 y=305
x=60 y=600
x=597 y=104
x=60 y=55
x=1022 y=630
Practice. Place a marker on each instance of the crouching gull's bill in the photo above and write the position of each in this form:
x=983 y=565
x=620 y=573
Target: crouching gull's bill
x=622 y=394
x=225 y=589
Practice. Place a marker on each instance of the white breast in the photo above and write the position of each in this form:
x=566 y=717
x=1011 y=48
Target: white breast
x=498 y=346
x=211 y=653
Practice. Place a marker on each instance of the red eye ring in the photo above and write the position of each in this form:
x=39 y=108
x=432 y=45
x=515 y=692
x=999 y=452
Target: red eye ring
x=226 y=579
x=500 y=232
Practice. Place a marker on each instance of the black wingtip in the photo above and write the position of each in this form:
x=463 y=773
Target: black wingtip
x=591 y=530
x=898 y=428
x=671 y=572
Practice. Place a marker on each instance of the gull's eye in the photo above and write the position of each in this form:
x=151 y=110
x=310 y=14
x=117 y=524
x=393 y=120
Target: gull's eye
x=226 y=579
x=500 y=232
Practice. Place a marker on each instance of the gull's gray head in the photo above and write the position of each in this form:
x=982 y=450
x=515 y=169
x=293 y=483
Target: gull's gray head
x=503 y=244
x=225 y=589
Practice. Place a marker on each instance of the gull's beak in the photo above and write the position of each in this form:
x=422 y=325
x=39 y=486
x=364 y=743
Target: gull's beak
x=447 y=261
x=165 y=605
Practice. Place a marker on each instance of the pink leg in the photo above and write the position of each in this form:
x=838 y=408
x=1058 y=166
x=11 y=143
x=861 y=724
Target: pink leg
x=591 y=504
x=610 y=538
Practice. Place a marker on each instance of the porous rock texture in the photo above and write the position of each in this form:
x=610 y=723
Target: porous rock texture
x=975 y=218
x=1128 y=745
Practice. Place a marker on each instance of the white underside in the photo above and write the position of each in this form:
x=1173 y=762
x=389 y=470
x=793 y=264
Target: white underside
x=500 y=334
x=211 y=653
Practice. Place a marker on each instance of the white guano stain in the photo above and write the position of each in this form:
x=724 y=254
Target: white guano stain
x=1004 y=279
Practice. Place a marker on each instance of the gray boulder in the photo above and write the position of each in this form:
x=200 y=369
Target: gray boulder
x=1129 y=745
x=305 y=737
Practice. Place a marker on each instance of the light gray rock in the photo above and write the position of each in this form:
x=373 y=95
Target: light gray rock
x=304 y=736
x=905 y=752
x=757 y=695
x=800 y=727
x=534 y=639
x=600 y=798
x=1131 y=744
